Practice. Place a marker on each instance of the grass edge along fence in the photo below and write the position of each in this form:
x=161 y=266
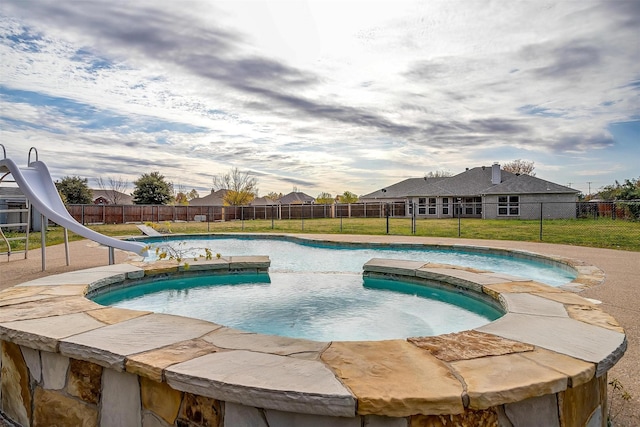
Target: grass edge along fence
x=592 y=225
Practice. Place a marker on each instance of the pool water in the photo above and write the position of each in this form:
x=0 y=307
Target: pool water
x=321 y=307
x=316 y=290
x=288 y=256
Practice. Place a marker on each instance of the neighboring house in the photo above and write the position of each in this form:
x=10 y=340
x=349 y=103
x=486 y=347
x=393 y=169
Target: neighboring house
x=215 y=198
x=296 y=198
x=111 y=197
x=482 y=192
x=262 y=201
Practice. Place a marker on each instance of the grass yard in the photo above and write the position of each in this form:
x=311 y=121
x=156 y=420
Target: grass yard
x=602 y=233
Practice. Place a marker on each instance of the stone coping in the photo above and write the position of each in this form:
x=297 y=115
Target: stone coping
x=549 y=340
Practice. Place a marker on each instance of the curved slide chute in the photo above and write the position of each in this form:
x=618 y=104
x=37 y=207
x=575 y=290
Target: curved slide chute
x=36 y=183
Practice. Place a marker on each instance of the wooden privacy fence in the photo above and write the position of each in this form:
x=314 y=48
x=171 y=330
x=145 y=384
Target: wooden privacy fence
x=121 y=214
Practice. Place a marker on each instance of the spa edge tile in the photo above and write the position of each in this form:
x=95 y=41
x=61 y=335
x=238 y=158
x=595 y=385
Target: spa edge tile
x=496 y=380
x=66 y=290
x=55 y=307
x=31 y=298
x=18 y=292
x=454 y=267
x=97 y=276
x=571 y=337
x=565 y=298
x=151 y=364
x=392 y=266
x=594 y=316
x=234 y=339
x=450 y=276
x=113 y=315
x=525 y=303
x=264 y=381
x=579 y=372
x=394 y=378
x=110 y=345
x=478 y=278
x=46 y=333
x=527 y=286
x=468 y=345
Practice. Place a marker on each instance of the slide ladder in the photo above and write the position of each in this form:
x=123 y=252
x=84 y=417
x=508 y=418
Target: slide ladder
x=36 y=184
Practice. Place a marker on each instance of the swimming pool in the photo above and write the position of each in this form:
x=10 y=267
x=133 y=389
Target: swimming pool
x=298 y=255
x=316 y=290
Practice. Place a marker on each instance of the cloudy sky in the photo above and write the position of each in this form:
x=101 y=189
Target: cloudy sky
x=322 y=96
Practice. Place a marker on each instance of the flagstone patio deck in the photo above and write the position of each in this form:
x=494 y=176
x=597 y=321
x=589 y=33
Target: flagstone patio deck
x=547 y=357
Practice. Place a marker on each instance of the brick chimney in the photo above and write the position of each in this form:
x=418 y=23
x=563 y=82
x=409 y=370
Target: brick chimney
x=496 y=175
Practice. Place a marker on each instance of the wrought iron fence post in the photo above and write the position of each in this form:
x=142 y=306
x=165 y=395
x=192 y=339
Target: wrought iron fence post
x=540 y=221
x=413 y=218
x=387 y=214
x=459 y=212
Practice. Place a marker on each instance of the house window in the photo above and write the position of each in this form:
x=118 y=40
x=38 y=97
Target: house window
x=509 y=205
x=432 y=205
x=468 y=206
x=422 y=206
x=445 y=206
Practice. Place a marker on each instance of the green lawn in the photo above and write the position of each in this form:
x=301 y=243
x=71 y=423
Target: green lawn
x=602 y=233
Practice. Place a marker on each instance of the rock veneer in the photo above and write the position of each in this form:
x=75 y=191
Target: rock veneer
x=67 y=359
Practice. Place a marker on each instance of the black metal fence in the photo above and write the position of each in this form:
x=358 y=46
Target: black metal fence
x=121 y=214
x=603 y=224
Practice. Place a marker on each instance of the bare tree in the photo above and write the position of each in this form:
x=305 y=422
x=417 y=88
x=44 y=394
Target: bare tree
x=520 y=167
x=437 y=174
x=193 y=194
x=114 y=188
x=273 y=196
x=241 y=187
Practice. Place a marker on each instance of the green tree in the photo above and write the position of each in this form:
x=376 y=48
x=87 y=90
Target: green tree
x=348 y=197
x=242 y=187
x=152 y=189
x=628 y=192
x=181 y=199
x=324 y=199
x=75 y=190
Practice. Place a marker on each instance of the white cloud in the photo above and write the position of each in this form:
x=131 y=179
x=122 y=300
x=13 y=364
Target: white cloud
x=349 y=94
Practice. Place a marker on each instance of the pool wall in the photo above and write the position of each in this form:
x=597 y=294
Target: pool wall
x=69 y=360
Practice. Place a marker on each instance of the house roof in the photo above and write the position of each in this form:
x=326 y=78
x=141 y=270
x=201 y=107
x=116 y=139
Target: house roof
x=296 y=197
x=262 y=201
x=215 y=198
x=401 y=189
x=526 y=184
x=123 y=198
x=473 y=182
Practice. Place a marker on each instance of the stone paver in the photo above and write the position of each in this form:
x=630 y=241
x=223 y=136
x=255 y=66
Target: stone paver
x=496 y=380
x=533 y=306
x=395 y=378
x=108 y=346
x=46 y=333
x=152 y=363
x=233 y=339
x=264 y=380
x=524 y=303
x=468 y=345
x=571 y=337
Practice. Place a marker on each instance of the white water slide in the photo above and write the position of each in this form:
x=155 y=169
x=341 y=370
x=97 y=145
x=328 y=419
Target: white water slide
x=36 y=183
